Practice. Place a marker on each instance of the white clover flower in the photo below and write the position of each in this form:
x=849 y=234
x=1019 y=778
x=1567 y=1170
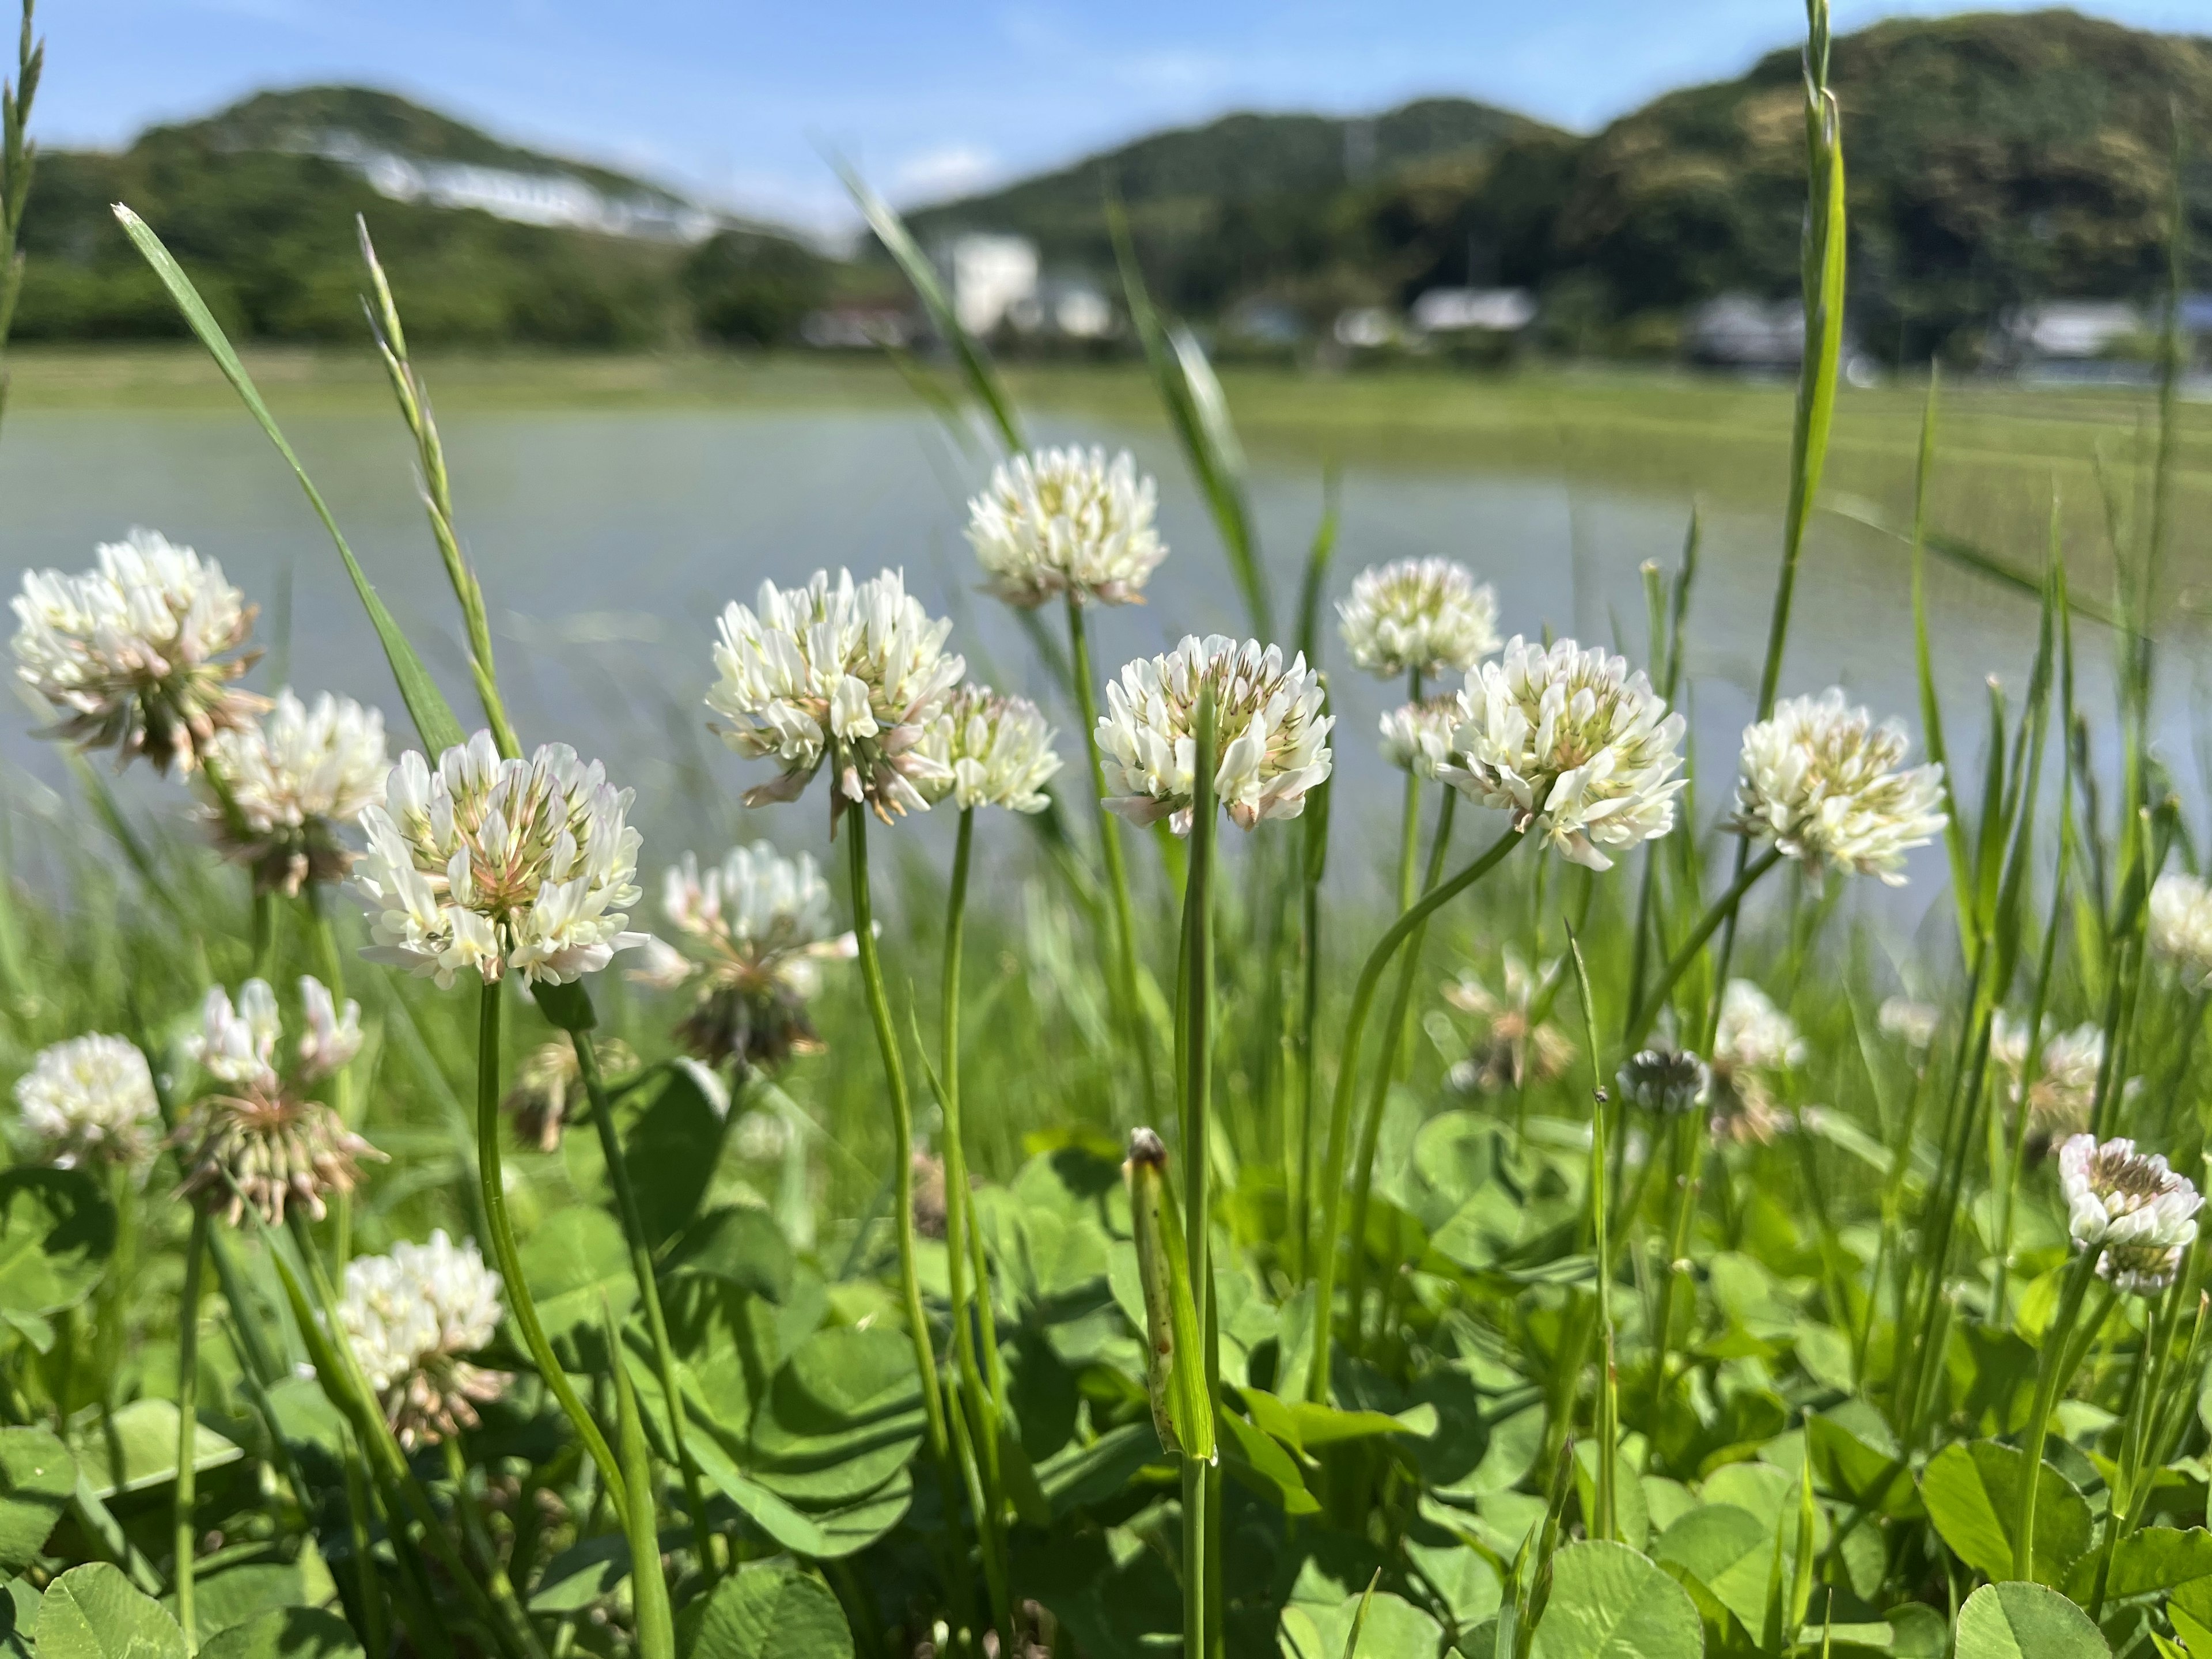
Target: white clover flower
x=1418 y=617
x=1576 y=747
x=259 y=1139
x=1913 y=1023
x=2065 y=1085
x=487 y=866
x=237 y=1044
x=1515 y=1047
x=136 y=655
x=759 y=928
x=1417 y=736
x=410 y=1317
x=850 y=673
x=2180 y=927
x=1755 y=1045
x=2131 y=1207
x=333 y=1034
x=1066 y=522
x=1821 y=781
x=277 y=793
x=1271 y=739
x=90 y=1100
x=1754 y=1035
x=995 y=751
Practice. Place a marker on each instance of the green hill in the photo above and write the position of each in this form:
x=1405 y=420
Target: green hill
x=257 y=201
x=1235 y=205
x=1991 y=159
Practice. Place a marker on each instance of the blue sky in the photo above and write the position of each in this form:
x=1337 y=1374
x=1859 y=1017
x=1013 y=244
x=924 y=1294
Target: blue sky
x=737 y=101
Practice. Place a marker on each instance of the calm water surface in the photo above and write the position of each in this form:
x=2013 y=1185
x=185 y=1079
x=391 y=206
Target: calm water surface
x=608 y=541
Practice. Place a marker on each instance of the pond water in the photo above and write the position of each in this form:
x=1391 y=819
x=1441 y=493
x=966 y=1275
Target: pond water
x=609 y=541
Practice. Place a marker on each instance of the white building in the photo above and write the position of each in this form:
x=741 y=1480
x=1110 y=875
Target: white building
x=1475 y=311
x=2074 y=329
x=1741 y=332
x=555 y=199
x=992 y=275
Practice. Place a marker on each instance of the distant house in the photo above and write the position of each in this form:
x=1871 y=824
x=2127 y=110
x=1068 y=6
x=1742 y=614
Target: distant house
x=992 y=275
x=1738 y=331
x=1474 y=311
x=2073 y=331
x=1366 y=328
x=1063 y=307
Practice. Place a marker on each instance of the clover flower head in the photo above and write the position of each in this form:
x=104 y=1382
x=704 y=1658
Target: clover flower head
x=2129 y=1206
x=846 y=672
x=1066 y=522
x=237 y=1043
x=410 y=1316
x=291 y=782
x=2181 y=926
x=551 y=1080
x=2065 y=1085
x=138 y=653
x=1418 y=617
x=994 y=751
x=90 y=1101
x=1752 y=1033
x=1668 y=1081
x=1913 y=1023
x=1578 y=750
x=1416 y=737
x=1825 y=784
x=258 y=1139
x=1515 y=1047
x=487 y=866
x=1755 y=1045
x=756 y=930
x=333 y=1034
x=1271 y=738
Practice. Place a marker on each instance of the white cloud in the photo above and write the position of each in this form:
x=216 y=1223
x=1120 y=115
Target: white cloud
x=951 y=169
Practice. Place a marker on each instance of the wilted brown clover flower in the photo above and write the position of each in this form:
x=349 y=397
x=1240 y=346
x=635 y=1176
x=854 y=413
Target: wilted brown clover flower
x=1515 y=1047
x=259 y=1139
x=757 y=928
x=550 y=1085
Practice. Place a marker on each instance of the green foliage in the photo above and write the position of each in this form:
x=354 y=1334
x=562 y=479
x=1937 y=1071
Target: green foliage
x=37 y=1476
x=93 y=1612
x=767 y=1613
x=264 y=223
x=2026 y=1621
x=748 y=287
x=286 y=1633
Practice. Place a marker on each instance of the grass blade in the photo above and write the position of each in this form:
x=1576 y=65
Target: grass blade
x=426 y=705
x=898 y=242
x=1823 y=276
x=1201 y=416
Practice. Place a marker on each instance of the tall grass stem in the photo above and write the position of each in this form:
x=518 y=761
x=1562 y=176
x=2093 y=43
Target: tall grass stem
x=492 y=1185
